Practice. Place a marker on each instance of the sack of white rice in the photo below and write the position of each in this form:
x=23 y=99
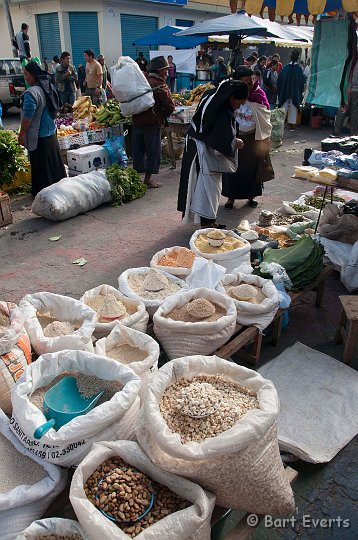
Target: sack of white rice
x=175 y=260
x=53 y=529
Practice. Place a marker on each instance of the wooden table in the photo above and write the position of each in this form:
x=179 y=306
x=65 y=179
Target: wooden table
x=242 y=336
x=348 y=326
x=178 y=129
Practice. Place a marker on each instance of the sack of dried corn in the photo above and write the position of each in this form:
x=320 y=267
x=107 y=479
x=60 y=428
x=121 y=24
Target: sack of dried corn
x=151 y=286
x=232 y=252
x=113 y=308
x=175 y=260
x=138 y=351
x=28 y=485
x=181 y=509
x=112 y=418
x=215 y=423
x=196 y=321
x=53 y=529
x=256 y=299
x=55 y=322
x=15 y=351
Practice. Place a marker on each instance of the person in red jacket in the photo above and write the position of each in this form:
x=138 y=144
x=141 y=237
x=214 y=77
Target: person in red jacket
x=146 y=126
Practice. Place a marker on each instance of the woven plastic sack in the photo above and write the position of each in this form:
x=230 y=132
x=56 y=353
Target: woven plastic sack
x=241 y=466
x=20 y=506
x=192 y=523
x=180 y=338
x=231 y=259
x=151 y=305
x=248 y=313
x=121 y=335
x=113 y=419
x=55 y=526
x=62 y=308
x=130 y=87
x=137 y=316
x=15 y=353
x=287 y=210
x=178 y=271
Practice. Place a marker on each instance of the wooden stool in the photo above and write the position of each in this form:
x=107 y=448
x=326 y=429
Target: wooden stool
x=348 y=326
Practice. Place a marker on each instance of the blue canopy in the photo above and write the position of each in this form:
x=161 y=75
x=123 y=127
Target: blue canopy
x=165 y=36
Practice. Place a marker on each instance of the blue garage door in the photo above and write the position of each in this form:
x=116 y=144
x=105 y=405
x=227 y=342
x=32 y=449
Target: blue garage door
x=84 y=34
x=49 y=35
x=134 y=27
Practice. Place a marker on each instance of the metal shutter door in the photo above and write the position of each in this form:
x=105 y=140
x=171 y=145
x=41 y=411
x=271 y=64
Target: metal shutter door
x=134 y=27
x=49 y=35
x=84 y=34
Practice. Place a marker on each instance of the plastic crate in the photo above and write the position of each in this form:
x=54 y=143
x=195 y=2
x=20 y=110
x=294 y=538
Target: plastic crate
x=182 y=115
x=99 y=135
x=64 y=142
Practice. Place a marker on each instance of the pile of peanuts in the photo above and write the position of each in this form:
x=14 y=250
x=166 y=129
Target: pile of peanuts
x=231 y=399
x=125 y=494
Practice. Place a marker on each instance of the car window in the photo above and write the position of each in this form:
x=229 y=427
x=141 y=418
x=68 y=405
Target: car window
x=10 y=67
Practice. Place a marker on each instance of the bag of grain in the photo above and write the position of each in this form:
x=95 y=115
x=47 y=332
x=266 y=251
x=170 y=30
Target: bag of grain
x=175 y=260
x=52 y=529
x=55 y=322
x=151 y=286
x=215 y=422
x=109 y=420
x=138 y=351
x=181 y=509
x=15 y=351
x=256 y=299
x=196 y=321
x=230 y=253
x=112 y=311
x=28 y=485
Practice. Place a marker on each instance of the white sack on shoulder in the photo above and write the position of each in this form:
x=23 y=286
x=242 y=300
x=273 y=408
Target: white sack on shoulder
x=130 y=87
x=62 y=308
x=114 y=419
x=137 y=316
x=20 y=506
x=178 y=271
x=192 y=523
x=52 y=526
x=179 y=338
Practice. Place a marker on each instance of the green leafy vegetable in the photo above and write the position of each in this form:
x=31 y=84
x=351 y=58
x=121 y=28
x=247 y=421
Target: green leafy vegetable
x=126 y=184
x=12 y=157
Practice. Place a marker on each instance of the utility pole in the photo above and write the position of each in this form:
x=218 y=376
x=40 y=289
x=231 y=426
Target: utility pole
x=10 y=26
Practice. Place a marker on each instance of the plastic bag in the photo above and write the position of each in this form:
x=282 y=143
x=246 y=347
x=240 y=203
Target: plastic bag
x=113 y=419
x=277 y=272
x=278 y=124
x=41 y=528
x=287 y=210
x=116 y=150
x=344 y=257
x=205 y=273
x=130 y=87
x=192 y=523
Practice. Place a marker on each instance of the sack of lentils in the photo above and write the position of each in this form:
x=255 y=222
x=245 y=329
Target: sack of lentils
x=27 y=484
x=15 y=351
x=112 y=418
x=112 y=308
x=53 y=529
x=119 y=479
x=196 y=321
x=150 y=285
x=215 y=423
x=175 y=260
x=55 y=322
x=138 y=351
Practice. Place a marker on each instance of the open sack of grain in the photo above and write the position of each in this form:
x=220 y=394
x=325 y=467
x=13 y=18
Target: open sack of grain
x=138 y=351
x=28 y=485
x=15 y=351
x=175 y=260
x=232 y=252
x=55 y=322
x=112 y=418
x=256 y=299
x=151 y=286
x=196 y=321
x=112 y=308
x=53 y=529
x=215 y=423
x=181 y=509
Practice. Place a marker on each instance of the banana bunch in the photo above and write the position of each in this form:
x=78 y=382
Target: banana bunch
x=109 y=113
x=83 y=108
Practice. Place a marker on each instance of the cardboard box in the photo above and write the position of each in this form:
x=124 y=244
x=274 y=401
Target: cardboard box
x=87 y=158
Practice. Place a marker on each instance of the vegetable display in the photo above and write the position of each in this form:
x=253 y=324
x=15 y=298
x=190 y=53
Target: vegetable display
x=12 y=157
x=83 y=108
x=109 y=113
x=126 y=184
x=193 y=96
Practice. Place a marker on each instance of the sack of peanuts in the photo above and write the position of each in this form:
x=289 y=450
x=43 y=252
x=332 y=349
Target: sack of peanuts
x=196 y=321
x=175 y=260
x=112 y=308
x=113 y=416
x=28 y=485
x=150 y=285
x=15 y=351
x=178 y=508
x=215 y=423
x=223 y=247
x=53 y=529
x=138 y=351
x=256 y=299
x=55 y=322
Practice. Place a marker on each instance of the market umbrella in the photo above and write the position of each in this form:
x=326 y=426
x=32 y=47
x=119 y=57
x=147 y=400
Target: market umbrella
x=166 y=36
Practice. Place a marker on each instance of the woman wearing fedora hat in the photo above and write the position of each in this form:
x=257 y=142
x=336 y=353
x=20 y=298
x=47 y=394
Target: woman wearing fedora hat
x=146 y=133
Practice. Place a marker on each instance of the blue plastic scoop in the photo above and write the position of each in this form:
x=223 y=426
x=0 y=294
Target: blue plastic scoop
x=62 y=403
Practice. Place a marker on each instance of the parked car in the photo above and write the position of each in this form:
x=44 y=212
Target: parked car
x=12 y=83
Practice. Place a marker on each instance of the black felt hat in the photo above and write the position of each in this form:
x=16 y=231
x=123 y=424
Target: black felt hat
x=158 y=63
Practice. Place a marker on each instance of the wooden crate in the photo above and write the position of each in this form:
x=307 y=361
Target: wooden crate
x=5 y=211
